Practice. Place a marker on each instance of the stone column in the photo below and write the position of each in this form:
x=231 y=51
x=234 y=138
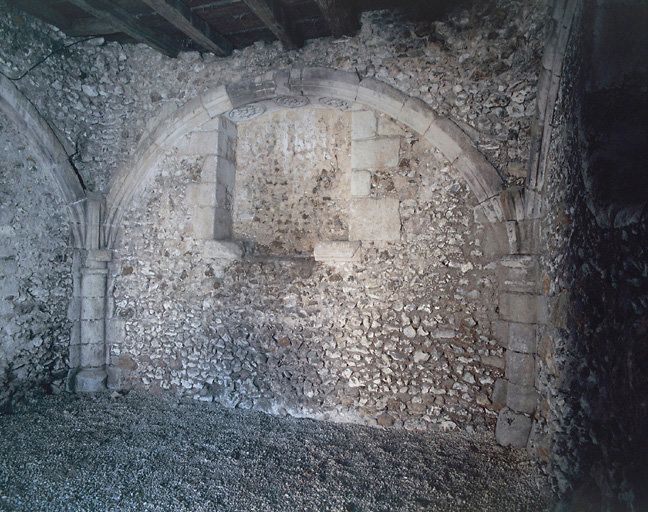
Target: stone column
x=89 y=347
x=92 y=376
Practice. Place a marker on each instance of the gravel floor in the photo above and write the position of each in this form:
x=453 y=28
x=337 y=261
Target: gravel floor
x=143 y=453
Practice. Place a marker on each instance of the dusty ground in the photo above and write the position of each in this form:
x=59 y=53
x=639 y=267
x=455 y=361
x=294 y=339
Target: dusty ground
x=142 y=453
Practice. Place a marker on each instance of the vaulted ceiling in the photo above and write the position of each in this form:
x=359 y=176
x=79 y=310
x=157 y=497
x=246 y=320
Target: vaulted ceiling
x=217 y=26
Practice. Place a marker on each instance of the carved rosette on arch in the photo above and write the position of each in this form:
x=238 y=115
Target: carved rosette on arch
x=291 y=101
x=336 y=103
x=246 y=112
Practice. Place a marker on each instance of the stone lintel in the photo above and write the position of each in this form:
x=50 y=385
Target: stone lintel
x=222 y=250
x=337 y=251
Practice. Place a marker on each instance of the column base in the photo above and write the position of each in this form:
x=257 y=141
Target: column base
x=90 y=380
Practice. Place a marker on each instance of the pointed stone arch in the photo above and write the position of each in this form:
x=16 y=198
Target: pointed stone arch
x=318 y=87
x=49 y=151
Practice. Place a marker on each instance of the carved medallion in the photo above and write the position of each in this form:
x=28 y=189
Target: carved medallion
x=246 y=112
x=292 y=101
x=335 y=103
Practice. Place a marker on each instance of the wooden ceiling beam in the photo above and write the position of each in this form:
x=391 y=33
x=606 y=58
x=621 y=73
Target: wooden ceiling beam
x=180 y=16
x=89 y=26
x=129 y=24
x=43 y=11
x=339 y=16
x=274 y=16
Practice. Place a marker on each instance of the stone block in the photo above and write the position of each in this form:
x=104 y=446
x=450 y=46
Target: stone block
x=325 y=83
x=209 y=169
x=216 y=101
x=99 y=255
x=360 y=183
x=417 y=115
x=500 y=332
x=482 y=178
x=500 y=389
x=374 y=219
x=512 y=428
x=75 y=356
x=512 y=200
x=519 y=307
x=203 y=143
x=445 y=135
x=375 y=153
x=203 y=222
x=222 y=223
x=225 y=182
x=115 y=378
x=222 y=249
x=92 y=331
x=380 y=97
x=115 y=331
x=75 y=332
x=93 y=308
x=201 y=194
x=363 y=124
x=90 y=380
x=387 y=126
x=336 y=251
x=176 y=125
x=522 y=338
x=253 y=90
x=521 y=398
x=93 y=283
x=520 y=368
x=92 y=355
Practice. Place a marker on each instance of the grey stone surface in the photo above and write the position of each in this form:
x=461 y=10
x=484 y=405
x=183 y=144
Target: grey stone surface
x=520 y=307
x=512 y=428
x=90 y=380
x=221 y=249
x=520 y=368
x=500 y=391
x=375 y=219
x=522 y=337
x=521 y=398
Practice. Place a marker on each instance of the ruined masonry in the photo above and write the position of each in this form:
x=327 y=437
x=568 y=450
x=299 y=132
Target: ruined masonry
x=412 y=228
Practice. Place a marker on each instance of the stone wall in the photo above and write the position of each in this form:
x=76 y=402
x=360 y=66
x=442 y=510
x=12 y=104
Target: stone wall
x=425 y=251
x=292 y=180
x=592 y=351
x=478 y=66
x=400 y=336
x=35 y=273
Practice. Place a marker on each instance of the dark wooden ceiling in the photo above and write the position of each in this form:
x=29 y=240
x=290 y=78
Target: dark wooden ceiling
x=218 y=26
